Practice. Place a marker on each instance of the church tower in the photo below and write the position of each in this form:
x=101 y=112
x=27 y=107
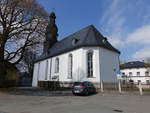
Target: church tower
x=51 y=33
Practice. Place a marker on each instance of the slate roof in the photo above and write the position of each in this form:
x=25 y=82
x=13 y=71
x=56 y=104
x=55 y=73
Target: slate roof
x=133 y=64
x=86 y=37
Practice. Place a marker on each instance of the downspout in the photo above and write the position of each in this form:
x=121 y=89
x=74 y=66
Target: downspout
x=99 y=69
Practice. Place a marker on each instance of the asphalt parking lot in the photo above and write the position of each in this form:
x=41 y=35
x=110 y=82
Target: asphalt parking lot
x=99 y=103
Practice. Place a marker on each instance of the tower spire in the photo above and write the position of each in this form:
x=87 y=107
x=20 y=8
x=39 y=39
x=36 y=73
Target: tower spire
x=51 y=33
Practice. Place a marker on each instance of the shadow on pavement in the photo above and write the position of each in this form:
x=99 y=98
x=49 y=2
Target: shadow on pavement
x=29 y=91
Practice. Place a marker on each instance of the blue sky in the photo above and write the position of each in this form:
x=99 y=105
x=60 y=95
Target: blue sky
x=126 y=23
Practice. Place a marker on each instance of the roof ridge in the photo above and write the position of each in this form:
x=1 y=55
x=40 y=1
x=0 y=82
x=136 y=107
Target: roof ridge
x=85 y=38
x=135 y=61
x=95 y=33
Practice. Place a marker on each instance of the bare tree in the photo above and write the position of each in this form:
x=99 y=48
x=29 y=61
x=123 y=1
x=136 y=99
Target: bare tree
x=22 y=25
x=147 y=60
x=147 y=65
x=30 y=55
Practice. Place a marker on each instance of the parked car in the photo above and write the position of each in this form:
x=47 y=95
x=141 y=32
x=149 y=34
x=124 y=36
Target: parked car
x=83 y=88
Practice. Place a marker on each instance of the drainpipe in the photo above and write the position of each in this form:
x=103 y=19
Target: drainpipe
x=100 y=78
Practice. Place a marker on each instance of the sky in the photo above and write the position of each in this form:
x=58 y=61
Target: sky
x=126 y=23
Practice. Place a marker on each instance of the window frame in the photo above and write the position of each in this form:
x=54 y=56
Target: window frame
x=146 y=73
x=70 y=66
x=46 y=70
x=89 y=61
x=123 y=73
x=57 y=65
x=147 y=81
x=139 y=81
x=130 y=74
x=138 y=73
x=39 y=66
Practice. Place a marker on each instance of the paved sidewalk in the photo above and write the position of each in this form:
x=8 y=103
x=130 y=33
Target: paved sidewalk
x=24 y=102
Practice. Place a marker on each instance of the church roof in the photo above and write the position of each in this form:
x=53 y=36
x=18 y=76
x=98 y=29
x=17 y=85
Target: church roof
x=86 y=37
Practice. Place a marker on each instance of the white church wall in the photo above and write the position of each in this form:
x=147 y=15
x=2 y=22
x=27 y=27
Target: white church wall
x=104 y=63
x=42 y=72
x=63 y=66
x=109 y=65
x=35 y=75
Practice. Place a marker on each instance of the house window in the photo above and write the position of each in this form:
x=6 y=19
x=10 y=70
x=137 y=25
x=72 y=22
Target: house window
x=57 y=65
x=146 y=73
x=70 y=66
x=138 y=73
x=123 y=74
x=147 y=82
x=139 y=81
x=90 y=64
x=130 y=73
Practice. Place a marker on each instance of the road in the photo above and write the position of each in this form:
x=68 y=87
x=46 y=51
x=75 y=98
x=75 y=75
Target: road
x=99 y=103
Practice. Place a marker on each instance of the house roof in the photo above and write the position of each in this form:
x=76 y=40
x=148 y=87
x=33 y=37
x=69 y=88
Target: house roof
x=133 y=64
x=86 y=37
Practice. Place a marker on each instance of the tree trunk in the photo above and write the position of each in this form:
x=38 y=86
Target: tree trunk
x=3 y=68
x=3 y=73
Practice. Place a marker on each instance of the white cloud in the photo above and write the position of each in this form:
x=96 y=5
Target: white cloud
x=112 y=23
x=141 y=54
x=116 y=23
x=140 y=36
x=112 y=15
x=116 y=42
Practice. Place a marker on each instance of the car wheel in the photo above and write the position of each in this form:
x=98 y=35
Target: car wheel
x=87 y=93
x=74 y=94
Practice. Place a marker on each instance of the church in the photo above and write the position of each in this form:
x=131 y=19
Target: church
x=85 y=55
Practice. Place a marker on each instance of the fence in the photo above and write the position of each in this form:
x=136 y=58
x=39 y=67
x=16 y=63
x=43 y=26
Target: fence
x=54 y=85
x=120 y=87
x=130 y=87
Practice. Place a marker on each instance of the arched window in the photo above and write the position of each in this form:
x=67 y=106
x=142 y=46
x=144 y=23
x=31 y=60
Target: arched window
x=70 y=66
x=46 y=70
x=57 y=65
x=90 y=64
x=38 y=71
